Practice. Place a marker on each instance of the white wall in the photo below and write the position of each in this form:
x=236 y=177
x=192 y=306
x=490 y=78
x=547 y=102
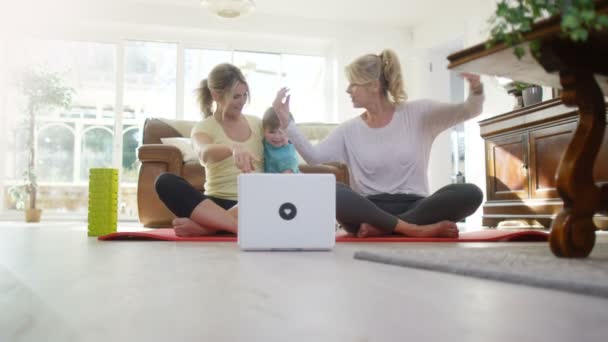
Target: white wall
x=436 y=81
x=467 y=20
x=3 y=126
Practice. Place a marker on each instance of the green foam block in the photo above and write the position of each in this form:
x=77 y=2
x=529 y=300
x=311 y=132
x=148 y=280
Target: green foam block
x=103 y=201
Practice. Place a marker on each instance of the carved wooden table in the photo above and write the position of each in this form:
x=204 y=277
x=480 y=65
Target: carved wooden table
x=581 y=70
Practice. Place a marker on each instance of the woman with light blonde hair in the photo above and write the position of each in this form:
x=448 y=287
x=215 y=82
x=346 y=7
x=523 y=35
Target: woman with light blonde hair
x=228 y=143
x=386 y=149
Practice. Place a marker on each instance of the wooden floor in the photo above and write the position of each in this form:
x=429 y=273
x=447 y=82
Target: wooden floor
x=57 y=284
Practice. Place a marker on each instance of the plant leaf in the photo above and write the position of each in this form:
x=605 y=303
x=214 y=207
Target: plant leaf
x=570 y=22
x=579 y=35
x=519 y=52
x=602 y=21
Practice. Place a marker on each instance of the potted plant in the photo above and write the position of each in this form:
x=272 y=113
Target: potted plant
x=18 y=195
x=42 y=90
x=513 y=19
x=525 y=94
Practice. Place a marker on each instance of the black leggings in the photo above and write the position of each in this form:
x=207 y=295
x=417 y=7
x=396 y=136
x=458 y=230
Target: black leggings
x=452 y=202
x=181 y=197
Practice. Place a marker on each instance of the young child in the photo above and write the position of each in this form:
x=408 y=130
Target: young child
x=279 y=153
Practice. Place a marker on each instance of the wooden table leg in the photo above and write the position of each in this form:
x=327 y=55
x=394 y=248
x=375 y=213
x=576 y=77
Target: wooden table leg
x=573 y=230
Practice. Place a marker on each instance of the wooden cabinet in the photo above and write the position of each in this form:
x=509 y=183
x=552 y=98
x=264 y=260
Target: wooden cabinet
x=507 y=167
x=546 y=146
x=523 y=150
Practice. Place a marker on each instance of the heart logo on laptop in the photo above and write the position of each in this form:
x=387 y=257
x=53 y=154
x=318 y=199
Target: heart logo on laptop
x=287 y=211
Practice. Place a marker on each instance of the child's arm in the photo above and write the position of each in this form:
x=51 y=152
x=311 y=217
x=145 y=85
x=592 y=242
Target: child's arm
x=331 y=149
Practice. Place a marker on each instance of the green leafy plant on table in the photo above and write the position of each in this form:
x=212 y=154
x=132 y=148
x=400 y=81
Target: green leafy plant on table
x=514 y=18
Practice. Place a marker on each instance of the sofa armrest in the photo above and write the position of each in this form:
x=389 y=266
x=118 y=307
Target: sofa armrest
x=338 y=169
x=155 y=159
x=159 y=153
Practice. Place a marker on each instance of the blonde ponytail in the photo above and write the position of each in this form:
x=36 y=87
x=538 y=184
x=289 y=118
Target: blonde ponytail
x=222 y=79
x=205 y=99
x=384 y=68
x=391 y=75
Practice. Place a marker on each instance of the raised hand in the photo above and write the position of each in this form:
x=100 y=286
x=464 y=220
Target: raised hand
x=474 y=82
x=281 y=106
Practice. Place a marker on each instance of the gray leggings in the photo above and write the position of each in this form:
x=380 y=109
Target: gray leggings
x=452 y=202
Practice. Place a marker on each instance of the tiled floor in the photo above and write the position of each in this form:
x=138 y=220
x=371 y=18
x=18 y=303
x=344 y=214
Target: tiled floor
x=57 y=284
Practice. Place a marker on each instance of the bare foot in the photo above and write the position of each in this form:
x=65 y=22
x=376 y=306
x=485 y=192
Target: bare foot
x=445 y=229
x=185 y=227
x=367 y=230
x=343 y=233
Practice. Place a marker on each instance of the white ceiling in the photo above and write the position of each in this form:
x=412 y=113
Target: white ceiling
x=378 y=12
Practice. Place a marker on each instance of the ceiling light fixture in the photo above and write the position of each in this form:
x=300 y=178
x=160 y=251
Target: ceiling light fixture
x=229 y=8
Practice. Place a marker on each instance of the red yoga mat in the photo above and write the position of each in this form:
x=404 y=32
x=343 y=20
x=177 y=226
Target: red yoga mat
x=486 y=235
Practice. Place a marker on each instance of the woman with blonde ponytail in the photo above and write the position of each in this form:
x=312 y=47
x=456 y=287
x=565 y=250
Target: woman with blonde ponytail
x=386 y=149
x=228 y=143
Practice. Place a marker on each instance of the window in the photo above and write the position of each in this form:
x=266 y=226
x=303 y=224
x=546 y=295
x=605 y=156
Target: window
x=55 y=153
x=305 y=76
x=266 y=73
x=89 y=68
x=197 y=65
x=96 y=149
x=70 y=141
x=263 y=73
x=130 y=142
x=150 y=80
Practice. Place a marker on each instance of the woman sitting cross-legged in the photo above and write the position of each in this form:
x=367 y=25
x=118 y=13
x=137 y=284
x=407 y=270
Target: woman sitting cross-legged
x=386 y=149
x=228 y=143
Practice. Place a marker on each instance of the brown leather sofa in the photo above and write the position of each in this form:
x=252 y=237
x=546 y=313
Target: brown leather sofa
x=156 y=158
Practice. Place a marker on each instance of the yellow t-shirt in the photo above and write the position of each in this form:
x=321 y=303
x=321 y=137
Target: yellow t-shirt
x=220 y=180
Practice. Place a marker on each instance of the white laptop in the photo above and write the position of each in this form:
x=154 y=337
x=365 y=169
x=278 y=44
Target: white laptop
x=286 y=211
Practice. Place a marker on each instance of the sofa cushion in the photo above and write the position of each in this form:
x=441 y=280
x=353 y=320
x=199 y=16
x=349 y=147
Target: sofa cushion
x=154 y=129
x=316 y=132
x=184 y=127
x=184 y=145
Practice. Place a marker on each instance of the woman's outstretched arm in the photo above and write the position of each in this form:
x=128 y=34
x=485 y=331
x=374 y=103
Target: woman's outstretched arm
x=208 y=152
x=331 y=149
x=440 y=116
